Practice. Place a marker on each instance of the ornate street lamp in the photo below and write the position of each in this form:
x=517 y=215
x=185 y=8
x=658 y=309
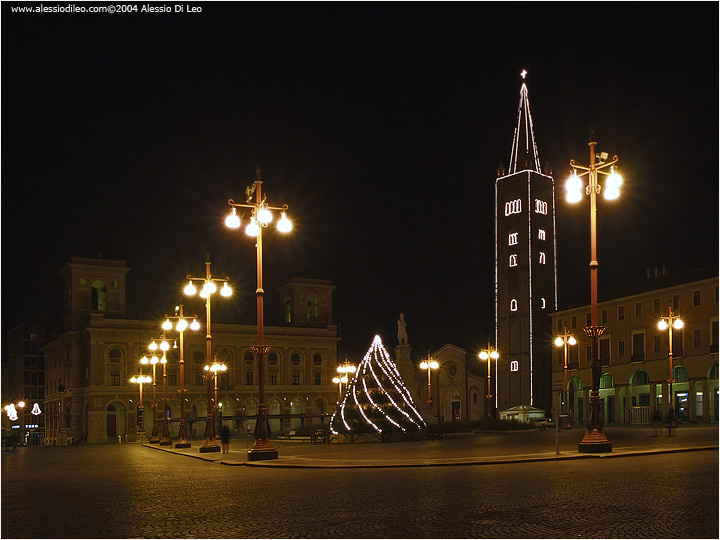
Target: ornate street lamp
x=164 y=347
x=180 y=327
x=594 y=440
x=261 y=215
x=564 y=341
x=429 y=365
x=669 y=323
x=211 y=374
x=140 y=380
x=208 y=289
x=153 y=361
x=489 y=354
x=343 y=378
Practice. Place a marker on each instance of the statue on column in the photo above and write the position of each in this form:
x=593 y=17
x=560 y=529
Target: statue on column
x=402 y=332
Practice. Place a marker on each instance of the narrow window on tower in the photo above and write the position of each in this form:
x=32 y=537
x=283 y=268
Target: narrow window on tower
x=541 y=234
x=514 y=365
x=542 y=258
x=512 y=239
x=513 y=305
x=540 y=207
x=542 y=303
x=513 y=260
x=513 y=207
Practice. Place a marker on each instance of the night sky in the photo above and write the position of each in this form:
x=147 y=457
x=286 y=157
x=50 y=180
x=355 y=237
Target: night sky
x=380 y=125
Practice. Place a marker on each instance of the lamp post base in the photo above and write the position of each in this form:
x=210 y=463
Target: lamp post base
x=165 y=442
x=594 y=442
x=182 y=444
x=209 y=448
x=262 y=455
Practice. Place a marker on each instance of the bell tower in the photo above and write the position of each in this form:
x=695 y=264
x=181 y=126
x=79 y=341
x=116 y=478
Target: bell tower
x=525 y=271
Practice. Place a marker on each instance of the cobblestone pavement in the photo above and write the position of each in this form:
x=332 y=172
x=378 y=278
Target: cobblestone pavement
x=130 y=491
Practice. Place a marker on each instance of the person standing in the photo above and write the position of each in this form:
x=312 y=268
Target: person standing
x=225 y=439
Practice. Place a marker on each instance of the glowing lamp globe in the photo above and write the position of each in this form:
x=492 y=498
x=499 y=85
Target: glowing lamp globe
x=494 y=355
x=181 y=325
x=167 y=325
x=678 y=324
x=559 y=341
x=574 y=188
x=190 y=289
x=572 y=340
x=226 y=290
x=252 y=229
x=264 y=215
x=284 y=225
x=194 y=325
x=232 y=221
x=662 y=325
x=483 y=355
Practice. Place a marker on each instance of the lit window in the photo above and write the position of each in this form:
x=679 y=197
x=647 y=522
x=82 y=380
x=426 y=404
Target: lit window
x=288 y=311
x=99 y=298
x=512 y=239
x=513 y=260
x=541 y=234
x=312 y=309
x=542 y=257
x=513 y=305
x=513 y=207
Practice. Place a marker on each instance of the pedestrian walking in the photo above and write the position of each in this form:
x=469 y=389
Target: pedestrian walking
x=225 y=439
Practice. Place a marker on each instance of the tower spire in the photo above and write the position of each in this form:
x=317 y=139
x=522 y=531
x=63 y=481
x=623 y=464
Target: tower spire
x=524 y=154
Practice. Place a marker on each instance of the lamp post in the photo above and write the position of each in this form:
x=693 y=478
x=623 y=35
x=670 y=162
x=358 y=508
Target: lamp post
x=564 y=341
x=260 y=217
x=153 y=361
x=342 y=378
x=208 y=289
x=668 y=323
x=180 y=327
x=429 y=365
x=211 y=374
x=489 y=354
x=164 y=347
x=140 y=380
x=594 y=440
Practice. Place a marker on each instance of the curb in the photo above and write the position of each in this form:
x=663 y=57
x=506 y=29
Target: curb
x=422 y=463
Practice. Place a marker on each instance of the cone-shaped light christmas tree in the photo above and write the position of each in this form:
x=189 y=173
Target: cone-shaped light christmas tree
x=376 y=400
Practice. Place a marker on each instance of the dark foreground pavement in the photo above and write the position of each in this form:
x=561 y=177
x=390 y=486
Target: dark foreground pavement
x=132 y=491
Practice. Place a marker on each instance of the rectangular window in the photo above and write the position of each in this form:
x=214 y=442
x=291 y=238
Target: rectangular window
x=656 y=306
x=317 y=378
x=638 y=347
x=296 y=377
x=574 y=322
x=696 y=298
x=621 y=313
x=559 y=326
x=656 y=344
x=604 y=316
x=541 y=234
x=714 y=336
x=115 y=378
x=249 y=378
x=621 y=349
x=199 y=381
x=638 y=310
x=272 y=379
x=588 y=320
x=172 y=378
x=588 y=354
x=605 y=351
x=675 y=301
x=696 y=338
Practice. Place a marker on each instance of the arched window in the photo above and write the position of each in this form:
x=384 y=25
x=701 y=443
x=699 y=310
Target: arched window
x=513 y=260
x=317 y=360
x=713 y=372
x=513 y=305
x=640 y=378
x=680 y=374
x=249 y=359
x=99 y=297
x=606 y=381
x=313 y=311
